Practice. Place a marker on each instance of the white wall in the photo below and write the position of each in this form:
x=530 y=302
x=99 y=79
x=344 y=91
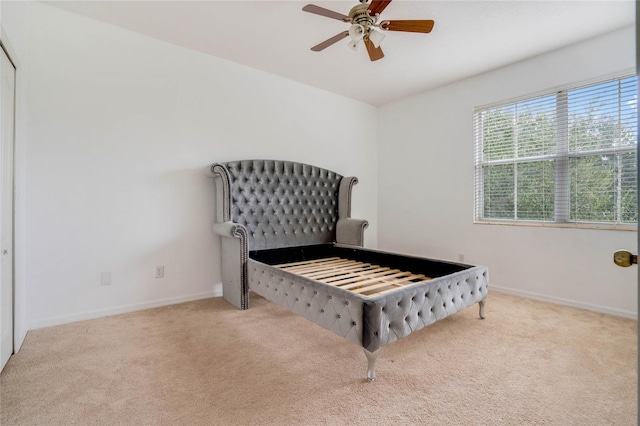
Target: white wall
x=120 y=129
x=425 y=183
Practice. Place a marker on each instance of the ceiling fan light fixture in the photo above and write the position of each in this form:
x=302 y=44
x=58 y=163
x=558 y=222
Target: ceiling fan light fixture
x=353 y=44
x=376 y=37
x=356 y=32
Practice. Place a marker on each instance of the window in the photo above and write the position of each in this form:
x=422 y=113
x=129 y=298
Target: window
x=567 y=157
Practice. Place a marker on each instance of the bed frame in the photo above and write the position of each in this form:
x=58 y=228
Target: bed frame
x=288 y=235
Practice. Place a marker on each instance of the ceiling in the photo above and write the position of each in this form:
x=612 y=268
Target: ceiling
x=469 y=37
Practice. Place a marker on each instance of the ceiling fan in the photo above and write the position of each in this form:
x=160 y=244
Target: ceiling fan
x=364 y=20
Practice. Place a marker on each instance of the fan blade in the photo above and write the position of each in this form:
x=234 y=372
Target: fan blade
x=412 y=26
x=377 y=6
x=329 y=42
x=375 y=53
x=312 y=8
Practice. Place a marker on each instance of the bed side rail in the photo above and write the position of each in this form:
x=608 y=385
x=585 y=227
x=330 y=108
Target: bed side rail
x=330 y=307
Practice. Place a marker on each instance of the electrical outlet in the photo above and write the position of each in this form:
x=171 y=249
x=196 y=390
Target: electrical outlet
x=460 y=257
x=160 y=271
x=105 y=278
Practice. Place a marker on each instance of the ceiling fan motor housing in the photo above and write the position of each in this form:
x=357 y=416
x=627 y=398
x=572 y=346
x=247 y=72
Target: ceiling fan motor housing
x=360 y=15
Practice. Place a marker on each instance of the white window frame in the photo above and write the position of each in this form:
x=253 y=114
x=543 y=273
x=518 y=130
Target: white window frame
x=561 y=157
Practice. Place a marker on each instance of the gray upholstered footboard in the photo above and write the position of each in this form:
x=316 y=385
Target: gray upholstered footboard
x=397 y=314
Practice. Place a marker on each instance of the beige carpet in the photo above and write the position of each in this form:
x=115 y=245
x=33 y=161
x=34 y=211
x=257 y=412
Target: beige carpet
x=207 y=363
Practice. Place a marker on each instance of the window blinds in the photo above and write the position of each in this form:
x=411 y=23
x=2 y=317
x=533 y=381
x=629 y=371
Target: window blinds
x=562 y=157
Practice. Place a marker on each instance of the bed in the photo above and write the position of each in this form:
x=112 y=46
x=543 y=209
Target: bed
x=287 y=234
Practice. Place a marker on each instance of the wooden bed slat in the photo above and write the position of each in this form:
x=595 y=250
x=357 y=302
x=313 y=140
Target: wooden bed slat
x=395 y=273
x=362 y=278
x=402 y=282
x=307 y=262
x=337 y=271
x=356 y=275
x=335 y=266
x=318 y=267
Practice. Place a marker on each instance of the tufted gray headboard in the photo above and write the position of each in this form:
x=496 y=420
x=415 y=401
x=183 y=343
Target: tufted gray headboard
x=281 y=203
x=269 y=204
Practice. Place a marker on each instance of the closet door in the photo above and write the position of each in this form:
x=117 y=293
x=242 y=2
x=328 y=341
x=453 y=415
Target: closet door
x=7 y=108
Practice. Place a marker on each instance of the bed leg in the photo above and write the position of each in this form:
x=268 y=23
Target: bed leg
x=481 y=303
x=371 y=361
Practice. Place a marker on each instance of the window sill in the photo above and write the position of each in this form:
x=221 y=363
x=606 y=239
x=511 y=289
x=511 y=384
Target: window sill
x=600 y=226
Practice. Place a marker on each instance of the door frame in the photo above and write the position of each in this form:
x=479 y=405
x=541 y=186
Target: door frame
x=8 y=104
x=20 y=327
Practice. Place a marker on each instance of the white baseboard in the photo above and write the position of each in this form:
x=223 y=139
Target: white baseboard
x=566 y=302
x=217 y=292
x=123 y=309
